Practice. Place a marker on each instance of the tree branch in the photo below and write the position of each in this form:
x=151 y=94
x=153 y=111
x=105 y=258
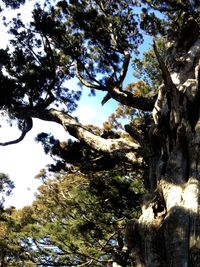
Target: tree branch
x=138 y=137
x=86 y=83
x=172 y=93
x=131 y=100
x=134 y=133
x=169 y=85
x=105 y=99
x=123 y=97
x=27 y=128
x=125 y=65
x=120 y=148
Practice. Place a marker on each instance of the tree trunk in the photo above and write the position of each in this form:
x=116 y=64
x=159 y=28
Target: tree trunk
x=168 y=231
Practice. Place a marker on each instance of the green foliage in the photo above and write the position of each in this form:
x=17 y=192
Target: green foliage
x=13 y=227
x=6 y=187
x=88 y=39
x=77 y=219
x=32 y=74
x=147 y=67
x=10 y=250
x=76 y=155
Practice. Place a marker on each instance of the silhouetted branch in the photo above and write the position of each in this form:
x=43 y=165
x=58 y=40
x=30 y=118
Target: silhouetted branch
x=27 y=128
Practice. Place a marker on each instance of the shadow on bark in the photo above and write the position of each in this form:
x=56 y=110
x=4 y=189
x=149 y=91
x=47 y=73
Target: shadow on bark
x=173 y=241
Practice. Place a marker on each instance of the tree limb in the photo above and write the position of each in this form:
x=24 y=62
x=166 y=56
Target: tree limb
x=120 y=148
x=86 y=83
x=123 y=97
x=131 y=100
x=27 y=128
x=125 y=65
x=105 y=99
x=134 y=133
x=169 y=85
x=138 y=137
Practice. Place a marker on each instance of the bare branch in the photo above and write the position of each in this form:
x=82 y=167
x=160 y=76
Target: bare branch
x=27 y=128
x=131 y=100
x=172 y=93
x=169 y=85
x=108 y=240
x=105 y=99
x=159 y=104
x=86 y=83
x=124 y=69
x=123 y=97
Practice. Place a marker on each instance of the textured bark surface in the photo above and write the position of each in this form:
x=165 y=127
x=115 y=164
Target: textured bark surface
x=168 y=231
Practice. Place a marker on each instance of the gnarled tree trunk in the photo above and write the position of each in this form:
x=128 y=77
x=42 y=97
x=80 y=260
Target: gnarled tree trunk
x=168 y=231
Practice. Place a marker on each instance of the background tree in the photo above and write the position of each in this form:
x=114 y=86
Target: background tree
x=94 y=41
x=9 y=245
x=80 y=220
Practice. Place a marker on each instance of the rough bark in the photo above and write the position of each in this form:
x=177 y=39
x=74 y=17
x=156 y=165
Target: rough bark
x=168 y=231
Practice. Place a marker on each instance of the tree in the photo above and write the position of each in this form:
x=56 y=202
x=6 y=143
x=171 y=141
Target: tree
x=78 y=220
x=8 y=244
x=94 y=41
x=13 y=229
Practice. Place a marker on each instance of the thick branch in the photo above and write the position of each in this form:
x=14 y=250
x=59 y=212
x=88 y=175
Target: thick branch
x=138 y=137
x=105 y=99
x=133 y=133
x=165 y=72
x=131 y=100
x=172 y=92
x=117 y=148
x=27 y=128
x=169 y=85
x=123 y=97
